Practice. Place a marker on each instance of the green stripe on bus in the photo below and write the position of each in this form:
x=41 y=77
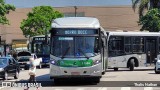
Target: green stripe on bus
x=75 y=63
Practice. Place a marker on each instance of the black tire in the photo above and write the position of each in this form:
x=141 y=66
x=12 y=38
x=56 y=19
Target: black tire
x=131 y=66
x=16 y=75
x=115 y=69
x=103 y=72
x=95 y=80
x=56 y=81
x=156 y=71
x=5 y=76
x=26 y=68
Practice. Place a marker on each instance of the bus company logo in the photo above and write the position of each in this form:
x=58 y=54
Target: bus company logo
x=74 y=63
x=6 y=84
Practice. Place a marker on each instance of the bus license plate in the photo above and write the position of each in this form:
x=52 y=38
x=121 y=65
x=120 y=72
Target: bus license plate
x=75 y=73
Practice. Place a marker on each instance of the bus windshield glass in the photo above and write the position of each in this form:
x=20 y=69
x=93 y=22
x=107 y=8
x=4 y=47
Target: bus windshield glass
x=67 y=46
x=41 y=48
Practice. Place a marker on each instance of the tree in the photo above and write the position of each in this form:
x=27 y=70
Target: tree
x=5 y=9
x=145 y=4
x=151 y=21
x=39 y=20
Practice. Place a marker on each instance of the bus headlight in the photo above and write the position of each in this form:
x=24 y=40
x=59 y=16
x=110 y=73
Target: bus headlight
x=96 y=62
x=53 y=62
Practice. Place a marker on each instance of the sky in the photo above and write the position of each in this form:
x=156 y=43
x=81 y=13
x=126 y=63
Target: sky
x=66 y=3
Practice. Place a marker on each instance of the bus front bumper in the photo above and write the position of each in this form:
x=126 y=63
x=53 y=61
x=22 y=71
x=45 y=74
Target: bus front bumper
x=71 y=72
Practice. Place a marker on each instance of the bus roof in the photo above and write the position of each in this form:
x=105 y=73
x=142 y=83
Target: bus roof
x=76 y=22
x=134 y=33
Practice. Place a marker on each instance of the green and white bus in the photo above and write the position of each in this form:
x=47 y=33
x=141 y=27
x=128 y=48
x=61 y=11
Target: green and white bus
x=77 y=49
x=132 y=49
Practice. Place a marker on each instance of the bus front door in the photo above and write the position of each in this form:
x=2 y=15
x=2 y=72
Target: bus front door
x=151 y=51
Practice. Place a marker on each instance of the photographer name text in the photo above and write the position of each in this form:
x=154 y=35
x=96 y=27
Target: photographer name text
x=145 y=84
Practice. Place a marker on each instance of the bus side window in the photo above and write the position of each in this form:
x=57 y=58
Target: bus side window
x=96 y=46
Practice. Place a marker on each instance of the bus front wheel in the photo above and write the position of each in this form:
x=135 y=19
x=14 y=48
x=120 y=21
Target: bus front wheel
x=131 y=66
x=96 y=79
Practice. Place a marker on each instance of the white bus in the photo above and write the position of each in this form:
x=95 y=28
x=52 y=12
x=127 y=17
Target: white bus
x=77 y=49
x=132 y=49
x=40 y=46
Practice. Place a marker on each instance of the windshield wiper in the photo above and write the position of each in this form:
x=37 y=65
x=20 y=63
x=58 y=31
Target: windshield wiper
x=65 y=52
x=83 y=53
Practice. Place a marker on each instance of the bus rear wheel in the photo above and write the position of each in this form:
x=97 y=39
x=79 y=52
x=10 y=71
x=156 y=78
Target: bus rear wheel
x=131 y=66
x=156 y=71
x=115 y=69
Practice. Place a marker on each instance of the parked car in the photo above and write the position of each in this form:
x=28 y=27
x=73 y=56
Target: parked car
x=157 y=65
x=9 y=67
x=23 y=59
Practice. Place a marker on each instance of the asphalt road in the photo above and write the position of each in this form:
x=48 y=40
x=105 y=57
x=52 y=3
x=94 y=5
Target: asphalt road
x=143 y=79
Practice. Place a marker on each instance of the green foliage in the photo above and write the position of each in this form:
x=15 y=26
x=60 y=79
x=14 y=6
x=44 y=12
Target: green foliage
x=144 y=4
x=151 y=21
x=4 y=9
x=39 y=20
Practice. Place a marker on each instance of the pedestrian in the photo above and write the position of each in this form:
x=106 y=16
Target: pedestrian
x=32 y=72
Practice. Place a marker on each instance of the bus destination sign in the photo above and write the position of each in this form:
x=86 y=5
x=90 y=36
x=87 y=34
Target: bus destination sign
x=39 y=39
x=76 y=32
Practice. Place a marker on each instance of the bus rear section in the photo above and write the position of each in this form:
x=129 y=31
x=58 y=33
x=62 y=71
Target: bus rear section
x=132 y=49
x=75 y=49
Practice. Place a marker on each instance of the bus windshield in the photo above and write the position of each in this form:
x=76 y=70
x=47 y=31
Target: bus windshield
x=41 y=48
x=74 y=46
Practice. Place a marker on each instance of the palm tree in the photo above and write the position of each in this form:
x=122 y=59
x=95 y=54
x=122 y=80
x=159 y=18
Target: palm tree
x=145 y=4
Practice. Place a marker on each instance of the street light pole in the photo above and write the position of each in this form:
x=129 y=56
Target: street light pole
x=75 y=7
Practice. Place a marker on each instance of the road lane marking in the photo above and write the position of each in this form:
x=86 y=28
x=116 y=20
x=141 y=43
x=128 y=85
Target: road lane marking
x=148 y=88
x=58 y=89
x=103 y=88
x=80 y=89
x=125 y=88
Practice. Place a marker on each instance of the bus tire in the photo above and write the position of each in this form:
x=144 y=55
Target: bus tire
x=115 y=69
x=131 y=66
x=103 y=72
x=56 y=80
x=156 y=71
x=96 y=79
